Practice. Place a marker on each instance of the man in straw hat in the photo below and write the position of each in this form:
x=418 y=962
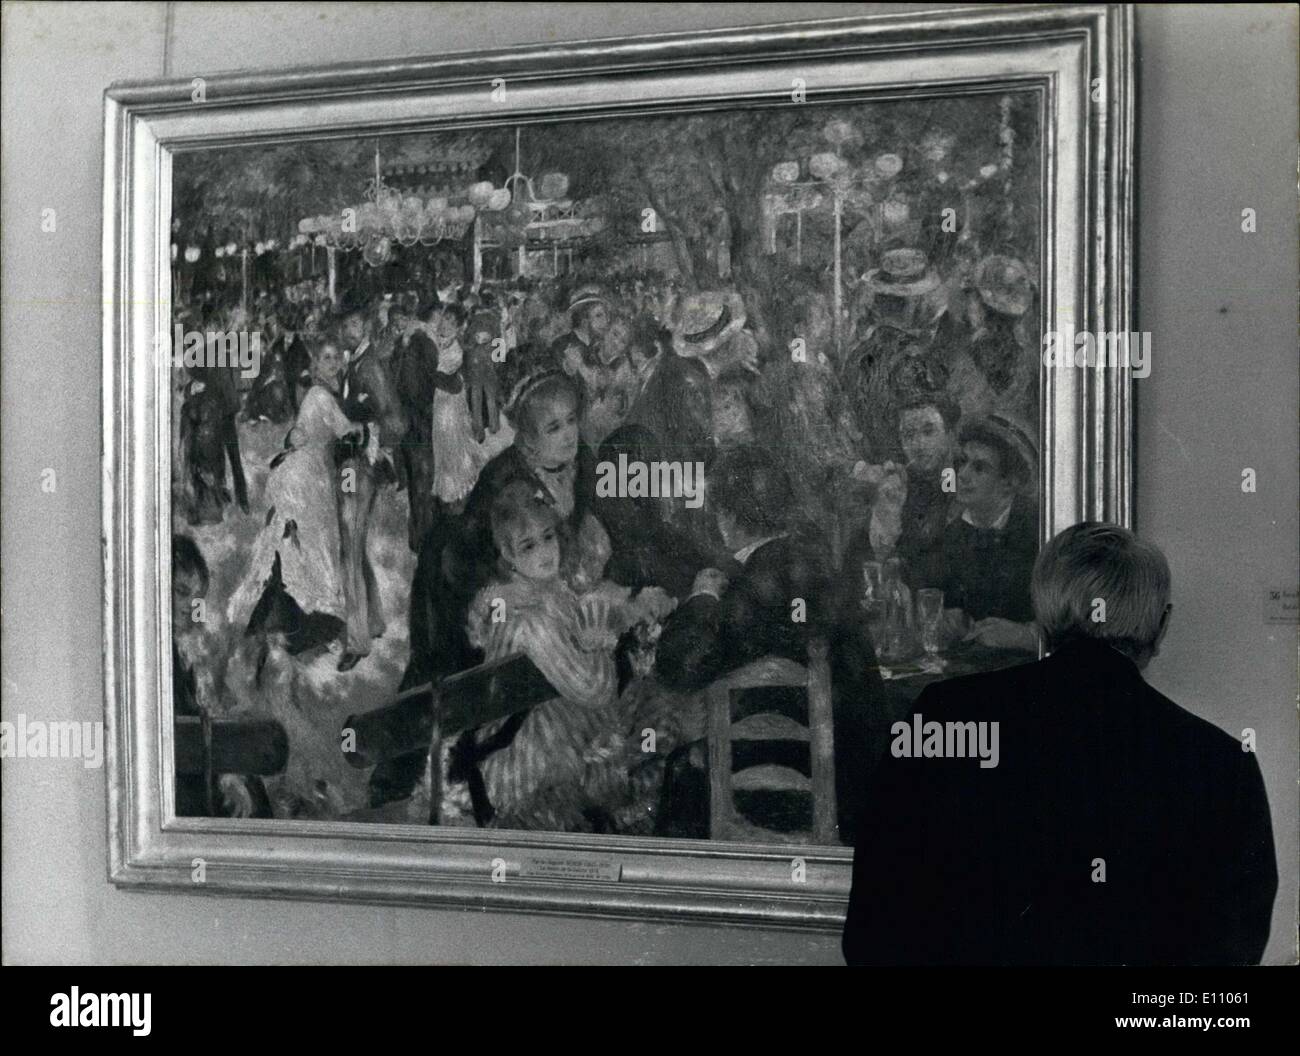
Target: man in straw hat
x=710 y=326
x=589 y=319
x=896 y=293
x=1000 y=295
x=988 y=552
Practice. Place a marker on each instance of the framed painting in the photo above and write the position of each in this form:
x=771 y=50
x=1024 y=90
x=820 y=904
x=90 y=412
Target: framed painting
x=538 y=480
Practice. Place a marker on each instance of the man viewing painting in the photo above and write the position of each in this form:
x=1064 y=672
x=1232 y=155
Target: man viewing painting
x=421 y=467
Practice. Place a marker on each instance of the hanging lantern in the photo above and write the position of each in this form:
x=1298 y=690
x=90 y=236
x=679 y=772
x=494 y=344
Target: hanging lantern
x=888 y=165
x=895 y=212
x=175 y=251
x=785 y=172
x=499 y=200
x=554 y=185
x=230 y=249
x=838 y=132
x=219 y=252
x=378 y=251
x=479 y=193
x=824 y=166
x=192 y=254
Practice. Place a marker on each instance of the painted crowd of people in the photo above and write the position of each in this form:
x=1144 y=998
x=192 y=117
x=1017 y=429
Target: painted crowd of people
x=902 y=431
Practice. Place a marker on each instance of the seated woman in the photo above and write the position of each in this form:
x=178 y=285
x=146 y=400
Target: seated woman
x=540 y=769
x=546 y=454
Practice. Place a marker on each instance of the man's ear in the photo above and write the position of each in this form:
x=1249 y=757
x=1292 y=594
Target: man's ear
x=1164 y=627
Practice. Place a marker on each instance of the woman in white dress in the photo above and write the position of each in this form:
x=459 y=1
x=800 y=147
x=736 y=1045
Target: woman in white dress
x=294 y=583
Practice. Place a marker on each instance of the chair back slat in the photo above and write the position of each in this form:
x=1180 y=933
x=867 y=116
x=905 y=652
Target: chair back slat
x=253 y=747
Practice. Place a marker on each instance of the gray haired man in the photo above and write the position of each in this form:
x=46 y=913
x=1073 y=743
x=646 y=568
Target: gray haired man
x=1114 y=828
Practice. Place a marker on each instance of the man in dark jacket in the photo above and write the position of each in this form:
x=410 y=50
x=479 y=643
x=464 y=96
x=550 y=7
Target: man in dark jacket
x=1106 y=825
x=783 y=596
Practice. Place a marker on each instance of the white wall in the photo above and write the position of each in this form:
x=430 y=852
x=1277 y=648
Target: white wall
x=1218 y=118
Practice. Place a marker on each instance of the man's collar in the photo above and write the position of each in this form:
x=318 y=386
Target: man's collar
x=746 y=552
x=1094 y=653
x=999 y=522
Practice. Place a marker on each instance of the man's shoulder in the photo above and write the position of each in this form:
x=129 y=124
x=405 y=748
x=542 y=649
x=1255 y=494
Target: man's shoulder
x=1000 y=691
x=562 y=342
x=791 y=562
x=1051 y=692
x=1190 y=732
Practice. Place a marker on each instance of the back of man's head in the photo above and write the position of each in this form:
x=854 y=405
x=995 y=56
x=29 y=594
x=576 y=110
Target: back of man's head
x=750 y=485
x=1101 y=581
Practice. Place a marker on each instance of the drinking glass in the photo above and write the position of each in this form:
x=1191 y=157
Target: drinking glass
x=929 y=614
x=873 y=581
x=877 y=610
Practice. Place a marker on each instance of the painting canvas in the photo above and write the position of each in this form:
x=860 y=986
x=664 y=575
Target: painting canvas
x=641 y=410
x=539 y=480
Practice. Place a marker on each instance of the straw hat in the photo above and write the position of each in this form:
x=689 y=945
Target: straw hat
x=706 y=320
x=587 y=295
x=1004 y=285
x=1010 y=435
x=903 y=273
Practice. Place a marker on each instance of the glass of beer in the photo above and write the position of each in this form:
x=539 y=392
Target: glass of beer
x=929 y=616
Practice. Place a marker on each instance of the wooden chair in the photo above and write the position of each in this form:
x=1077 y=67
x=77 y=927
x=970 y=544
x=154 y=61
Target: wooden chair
x=422 y=718
x=772 y=671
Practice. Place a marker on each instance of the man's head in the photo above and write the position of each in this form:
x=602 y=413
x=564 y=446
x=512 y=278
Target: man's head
x=189 y=581
x=991 y=468
x=925 y=430
x=352 y=328
x=588 y=311
x=593 y=317
x=750 y=494
x=399 y=317
x=1101 y=581
x=525 y=531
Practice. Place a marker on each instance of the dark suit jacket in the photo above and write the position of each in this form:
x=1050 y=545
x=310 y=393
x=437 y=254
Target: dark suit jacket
x=707 y=637
x=961 y=865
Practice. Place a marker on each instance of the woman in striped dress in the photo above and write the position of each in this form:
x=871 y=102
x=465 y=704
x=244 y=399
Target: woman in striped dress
x=538 y=771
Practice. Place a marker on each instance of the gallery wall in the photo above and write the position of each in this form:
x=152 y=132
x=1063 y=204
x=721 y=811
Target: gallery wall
x=1216 y=135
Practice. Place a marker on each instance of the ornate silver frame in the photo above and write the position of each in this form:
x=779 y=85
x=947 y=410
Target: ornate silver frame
x=1080 y=60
